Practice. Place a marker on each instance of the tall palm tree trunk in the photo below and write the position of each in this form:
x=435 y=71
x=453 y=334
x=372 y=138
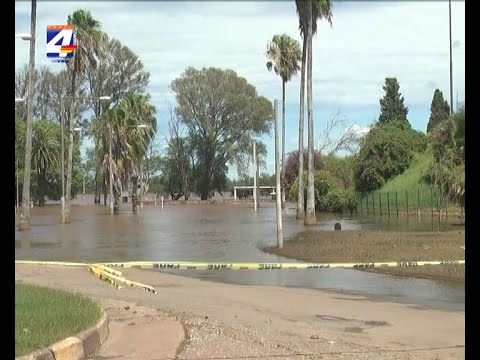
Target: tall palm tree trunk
x=24 y=223
x=283 y=143
x=301 y=121
x=70 y=146
x=310 y=216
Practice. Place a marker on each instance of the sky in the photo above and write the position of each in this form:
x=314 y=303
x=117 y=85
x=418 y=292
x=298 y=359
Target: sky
x=367 y=42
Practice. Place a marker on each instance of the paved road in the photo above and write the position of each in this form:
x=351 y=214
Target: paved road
x=227 y=321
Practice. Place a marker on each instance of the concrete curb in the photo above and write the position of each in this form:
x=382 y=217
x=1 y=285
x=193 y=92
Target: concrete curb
x=77 y=347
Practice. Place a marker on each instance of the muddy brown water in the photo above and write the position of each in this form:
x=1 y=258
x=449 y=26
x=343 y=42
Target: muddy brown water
x=218 y=233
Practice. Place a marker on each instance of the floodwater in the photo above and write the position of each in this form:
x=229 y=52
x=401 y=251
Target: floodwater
x=219 y=233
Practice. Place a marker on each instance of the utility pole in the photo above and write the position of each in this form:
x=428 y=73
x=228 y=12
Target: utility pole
x=451 y=62
x=110 y=167
x=24 y=222
x=278 y=196
x=84 y=187
x=141 y=184
x=255 y=176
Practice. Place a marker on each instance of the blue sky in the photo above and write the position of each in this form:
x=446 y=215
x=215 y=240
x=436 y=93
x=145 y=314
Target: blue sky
x=367 y=42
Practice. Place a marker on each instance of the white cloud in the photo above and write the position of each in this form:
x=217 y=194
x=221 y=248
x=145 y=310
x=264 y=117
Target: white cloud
x=368 y=42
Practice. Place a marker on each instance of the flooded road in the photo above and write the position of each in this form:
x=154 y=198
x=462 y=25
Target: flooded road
x=219 y=233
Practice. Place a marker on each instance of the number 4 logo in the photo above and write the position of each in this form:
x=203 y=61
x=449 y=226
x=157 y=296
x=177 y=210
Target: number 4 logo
x=60 y=42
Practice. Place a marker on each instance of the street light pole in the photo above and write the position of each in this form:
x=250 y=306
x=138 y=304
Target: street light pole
x=110 y=167
x=451 y=61
x=16 y=172
x=255 y=176
x=62 y=164
x=141 y=184
x=24 y=223
x=83 y=187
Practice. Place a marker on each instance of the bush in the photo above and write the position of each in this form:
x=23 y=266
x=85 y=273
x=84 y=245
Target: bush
x=386 y=152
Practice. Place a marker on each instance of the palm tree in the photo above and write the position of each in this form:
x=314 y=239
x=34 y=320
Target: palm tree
x=45 y=154
x=129 y=141
x=308 y=12
x=88 y=36
x=24 y=223
x=284 y=54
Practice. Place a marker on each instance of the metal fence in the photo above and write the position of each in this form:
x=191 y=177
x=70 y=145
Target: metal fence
x=419 y=201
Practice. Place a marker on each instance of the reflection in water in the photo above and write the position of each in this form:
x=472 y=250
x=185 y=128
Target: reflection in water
x=221 y=233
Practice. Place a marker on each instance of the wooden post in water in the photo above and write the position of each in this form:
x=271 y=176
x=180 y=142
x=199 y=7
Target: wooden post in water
x=388 y=203
x=254 y=176
x=278 y=196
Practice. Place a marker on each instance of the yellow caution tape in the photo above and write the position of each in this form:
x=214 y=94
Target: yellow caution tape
x=115 y=277
x=51 y=263
x=184 y=265
x=105 y=272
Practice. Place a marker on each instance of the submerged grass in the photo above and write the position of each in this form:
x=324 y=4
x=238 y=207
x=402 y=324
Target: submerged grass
x=375 y=246
x=44 y=316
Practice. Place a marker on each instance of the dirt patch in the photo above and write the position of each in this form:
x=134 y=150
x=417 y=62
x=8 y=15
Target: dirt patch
x=373 y=246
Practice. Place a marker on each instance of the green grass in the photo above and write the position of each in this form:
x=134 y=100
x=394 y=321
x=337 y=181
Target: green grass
x=405 y=191
x=44 y=316
x=412 y=177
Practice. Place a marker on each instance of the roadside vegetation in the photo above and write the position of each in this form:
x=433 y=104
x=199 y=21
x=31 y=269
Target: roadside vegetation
x=372 y=246
x=44 y=316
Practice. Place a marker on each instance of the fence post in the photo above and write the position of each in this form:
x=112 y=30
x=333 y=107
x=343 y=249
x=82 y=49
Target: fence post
x=418 y=202
x=361 y=204
x=373 y=203
x=388 y=203
x=446 y=207
x=406 y=193
x=368 y=211
x=431 y=199
x=380 y=202
x=396 y=201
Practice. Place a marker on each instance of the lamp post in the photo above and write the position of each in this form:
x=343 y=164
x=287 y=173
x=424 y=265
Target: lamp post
x=451 y=62
x=17 y=204
x=101 y=98
x=24 y=222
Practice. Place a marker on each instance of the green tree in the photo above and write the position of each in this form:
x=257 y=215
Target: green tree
x=439 y=110
x=88 y=37
x=284 y=55
x=392 y=105
x=45 y=154
x=220 y=109
x=117 y=74
x=133 y=126
x=308 y=13
x=386 y=151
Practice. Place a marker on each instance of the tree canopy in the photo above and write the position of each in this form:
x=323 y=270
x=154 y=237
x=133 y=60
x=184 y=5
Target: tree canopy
x=392 y=107
x=221 y=110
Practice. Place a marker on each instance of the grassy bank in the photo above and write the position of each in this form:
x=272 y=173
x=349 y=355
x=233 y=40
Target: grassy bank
x=372 y=246
x=44 y=316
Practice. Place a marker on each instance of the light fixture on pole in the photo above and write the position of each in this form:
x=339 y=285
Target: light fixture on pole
x=24 y=36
